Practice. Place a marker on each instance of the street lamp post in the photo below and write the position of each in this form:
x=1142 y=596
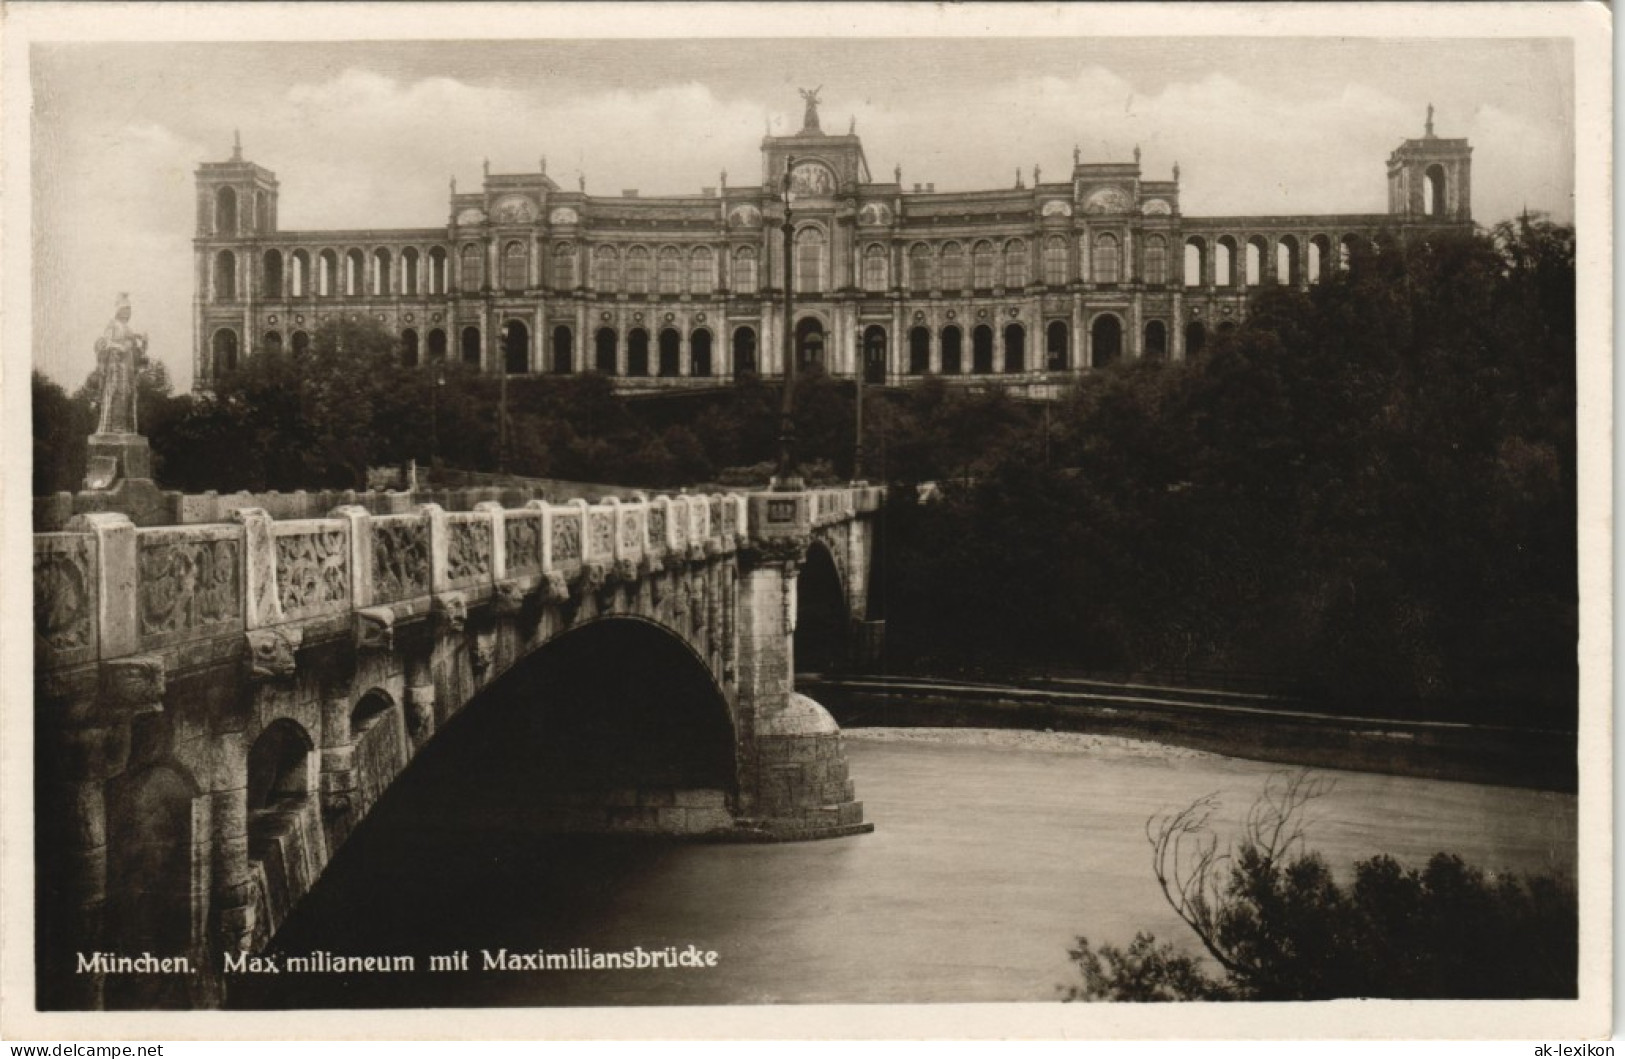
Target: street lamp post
x=434 y=420
x=862 y=376
x=786 y=479
x=502 y=398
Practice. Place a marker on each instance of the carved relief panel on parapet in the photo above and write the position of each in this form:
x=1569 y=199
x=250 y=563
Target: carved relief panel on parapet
x=186 y=583
x=745 y=216
x=564 y=215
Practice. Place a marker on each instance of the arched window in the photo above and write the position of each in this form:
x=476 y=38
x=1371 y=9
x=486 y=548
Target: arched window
x=1156 y=340
x=670 y=270
x=1195 y=338
x=409 y=271
x=471 y=346
x=702 y=271
x=810 y=260
x=437 y=270
x=437 y=346
x=409 y=348
x=637 y=352
x=1195 y=251
x=299 y=274
x=1057 y=353
x=671 y=346
x=1433 y=196
x=1224 y=262
x=1286 y=261
x=1106 y=340
x=699 y=344
x=984 y=266
x=439 y=281
x=225 y=347
x=1015 y=348
x=515 y=348
x=874 y=354
x=327 y=274
x=1108 y=259
x=473 y=268
x=1320 y=249
x=744 y=351
x=382 y=283
x=606 y=269
x=272 y=342
x=1254 y=269
x=603 y=355
x=273 y=274
x=981 y=346
x=919 y=268
x=637 y=270
x=1016 y=270
x=745 y=278
x=874 y=267
x=301 y=343
x=564 y=266
x=1347 y=249
x=564 y=350
x=953 y=266
x=919 y=351
x=1055 y=261
x=809 y=343
x=1156 y=260
x=225 y=276
x=515 y=266
x=355 y=268
x=225 y=212
x=952 y=350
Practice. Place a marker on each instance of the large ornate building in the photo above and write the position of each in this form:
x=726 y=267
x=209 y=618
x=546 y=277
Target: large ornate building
x=1023 y=286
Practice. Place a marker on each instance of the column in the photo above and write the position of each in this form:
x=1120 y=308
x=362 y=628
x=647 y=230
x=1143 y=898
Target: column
x=685 y=360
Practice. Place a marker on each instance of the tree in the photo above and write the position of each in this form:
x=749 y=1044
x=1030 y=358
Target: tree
x=62 y=424
x=1280 y=927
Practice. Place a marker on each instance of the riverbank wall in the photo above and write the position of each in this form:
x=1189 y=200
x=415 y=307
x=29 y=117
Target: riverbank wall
x=1510 y=757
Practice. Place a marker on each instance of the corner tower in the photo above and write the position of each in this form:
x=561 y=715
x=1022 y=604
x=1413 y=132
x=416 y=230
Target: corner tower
x=1430 y=179
x=236 y=207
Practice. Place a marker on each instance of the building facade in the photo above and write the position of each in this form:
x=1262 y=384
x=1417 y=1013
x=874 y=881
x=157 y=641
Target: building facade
x=1022 y=287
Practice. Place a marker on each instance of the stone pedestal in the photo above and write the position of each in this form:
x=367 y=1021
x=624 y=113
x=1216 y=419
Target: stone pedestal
x=115 y=457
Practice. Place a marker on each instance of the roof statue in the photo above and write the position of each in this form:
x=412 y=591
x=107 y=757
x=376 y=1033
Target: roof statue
x=1036 y=173
x=1077 y=155
x=809 y=118
x=237 y=145
x=1136 y=154
x=1430 y=119
x=852 y=126
x=898 y=173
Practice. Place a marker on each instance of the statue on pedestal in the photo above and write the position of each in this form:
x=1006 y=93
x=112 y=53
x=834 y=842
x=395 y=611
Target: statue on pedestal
x=121 y=352
x=809 y=117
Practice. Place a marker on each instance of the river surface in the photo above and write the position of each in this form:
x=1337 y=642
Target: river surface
x=991 y=852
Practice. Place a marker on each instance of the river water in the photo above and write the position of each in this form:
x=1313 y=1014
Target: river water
x=992 y=852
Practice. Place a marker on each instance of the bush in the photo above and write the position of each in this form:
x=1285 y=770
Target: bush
x=1280 y=927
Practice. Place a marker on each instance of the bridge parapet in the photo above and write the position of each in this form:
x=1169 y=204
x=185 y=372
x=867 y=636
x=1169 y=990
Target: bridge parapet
x=105 y=587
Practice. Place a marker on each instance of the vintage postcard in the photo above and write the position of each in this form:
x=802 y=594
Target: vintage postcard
x=811 y=520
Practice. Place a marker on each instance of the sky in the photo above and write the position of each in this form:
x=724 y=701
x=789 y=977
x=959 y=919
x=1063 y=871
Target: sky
x=368 y=134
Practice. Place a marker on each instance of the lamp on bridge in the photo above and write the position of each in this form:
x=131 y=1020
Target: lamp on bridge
x=786 y=480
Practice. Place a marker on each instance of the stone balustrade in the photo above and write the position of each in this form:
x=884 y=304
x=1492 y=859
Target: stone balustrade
x=106 y=588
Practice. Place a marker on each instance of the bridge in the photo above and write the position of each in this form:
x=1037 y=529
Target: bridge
x=221 y=700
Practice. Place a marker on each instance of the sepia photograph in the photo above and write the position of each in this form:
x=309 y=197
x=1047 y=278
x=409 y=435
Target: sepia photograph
x=726 y=512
